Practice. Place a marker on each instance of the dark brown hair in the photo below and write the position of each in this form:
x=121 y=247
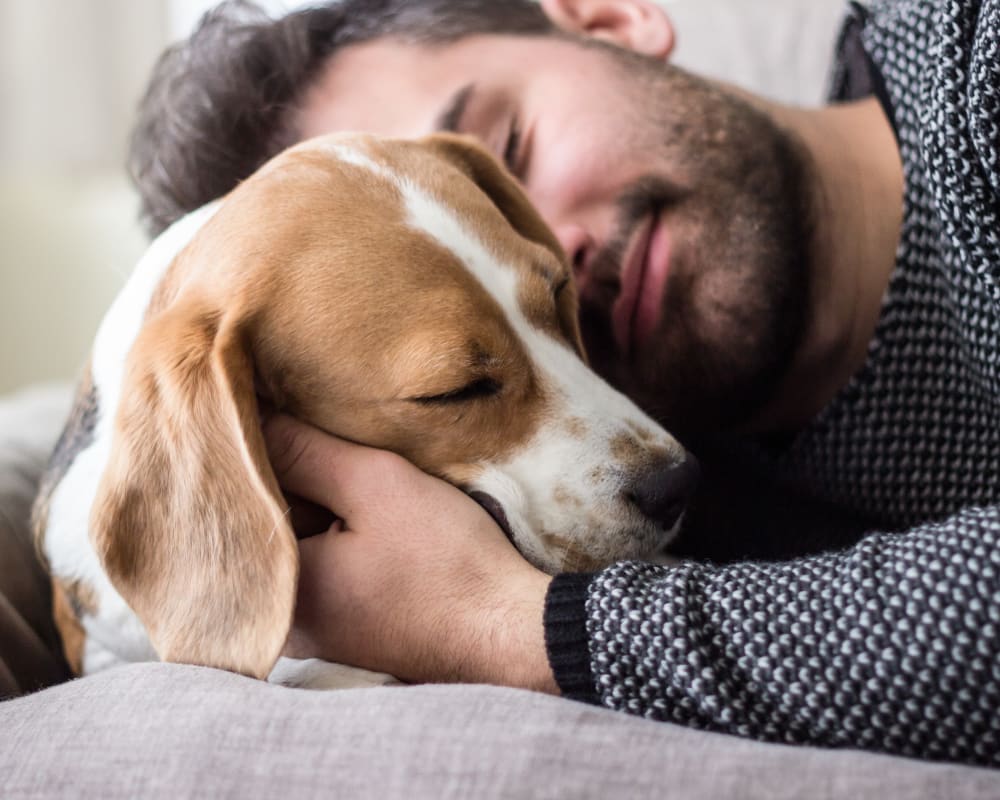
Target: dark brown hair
x=217 y=105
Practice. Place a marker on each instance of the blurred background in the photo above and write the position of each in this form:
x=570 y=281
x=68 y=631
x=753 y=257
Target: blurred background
x=72 y=71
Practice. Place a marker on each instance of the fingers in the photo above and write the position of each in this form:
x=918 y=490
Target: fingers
x=331 y=472
x=306 y=461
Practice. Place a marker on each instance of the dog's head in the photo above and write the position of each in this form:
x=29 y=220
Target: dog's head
x=400 y=294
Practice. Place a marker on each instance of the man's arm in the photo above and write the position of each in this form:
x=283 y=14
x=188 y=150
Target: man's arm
x=891 y=645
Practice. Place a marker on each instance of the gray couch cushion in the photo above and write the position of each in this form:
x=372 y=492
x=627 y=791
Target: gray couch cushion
x=159 y=730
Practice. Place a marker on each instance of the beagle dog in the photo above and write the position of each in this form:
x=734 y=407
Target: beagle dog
x=401 y=294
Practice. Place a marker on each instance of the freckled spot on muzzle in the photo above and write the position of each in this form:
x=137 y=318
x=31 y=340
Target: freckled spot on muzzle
x=573 y=558
x=598 y=475
x=645 y=435
x=625 y=449
x=576 y=428
x=564 y=497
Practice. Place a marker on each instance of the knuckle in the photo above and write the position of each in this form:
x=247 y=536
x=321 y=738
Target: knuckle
x=388 y=465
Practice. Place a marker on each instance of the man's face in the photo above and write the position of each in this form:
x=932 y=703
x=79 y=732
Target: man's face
x=681 y=208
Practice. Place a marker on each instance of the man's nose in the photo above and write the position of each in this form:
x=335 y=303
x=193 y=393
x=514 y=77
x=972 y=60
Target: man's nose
x=579 y=248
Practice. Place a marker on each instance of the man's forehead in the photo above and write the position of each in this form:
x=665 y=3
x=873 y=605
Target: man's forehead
x=394 y=88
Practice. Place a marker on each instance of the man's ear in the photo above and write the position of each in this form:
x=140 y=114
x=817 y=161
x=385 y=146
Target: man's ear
x=638 y=25
x=189 y=522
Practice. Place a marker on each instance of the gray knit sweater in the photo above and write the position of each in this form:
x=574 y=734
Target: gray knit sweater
x=892 y=643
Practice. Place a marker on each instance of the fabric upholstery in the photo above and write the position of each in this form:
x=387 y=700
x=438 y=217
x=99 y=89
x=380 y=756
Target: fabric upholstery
x=158 y=730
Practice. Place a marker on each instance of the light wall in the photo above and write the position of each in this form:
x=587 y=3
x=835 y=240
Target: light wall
x=71 y=72
x=184 y=14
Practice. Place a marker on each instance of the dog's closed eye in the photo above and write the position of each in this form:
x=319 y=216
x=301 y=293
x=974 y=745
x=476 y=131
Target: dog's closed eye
x=479 y=389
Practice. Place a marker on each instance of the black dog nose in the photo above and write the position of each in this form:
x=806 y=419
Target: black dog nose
x=663 y=492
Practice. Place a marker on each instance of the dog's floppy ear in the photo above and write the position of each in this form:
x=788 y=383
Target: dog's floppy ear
x=189 y=521
x=487 y=173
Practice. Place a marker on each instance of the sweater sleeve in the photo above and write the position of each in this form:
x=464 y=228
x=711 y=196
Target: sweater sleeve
x=891 y=645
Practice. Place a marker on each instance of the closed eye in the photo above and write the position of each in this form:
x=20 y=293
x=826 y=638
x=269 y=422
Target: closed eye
x=480 y=389
x=557 y=289
x=512 y=147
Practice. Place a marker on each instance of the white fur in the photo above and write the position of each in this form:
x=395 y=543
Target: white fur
x=114 y=634
x=524 y=484
x=312 y=673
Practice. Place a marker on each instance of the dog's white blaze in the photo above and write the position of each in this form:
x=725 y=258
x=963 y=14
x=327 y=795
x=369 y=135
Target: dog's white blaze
x=526 y=484
x=358 y=159
x=114 y=634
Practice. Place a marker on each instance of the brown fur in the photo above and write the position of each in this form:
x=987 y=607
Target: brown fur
x=575 y=558
x=631 y=454
x=70 y=629
x=352 y=342
x=575 y=427
x=70 y=600
x=297 y=287
x=565 y=497
x=189 y=522
x=542 y=266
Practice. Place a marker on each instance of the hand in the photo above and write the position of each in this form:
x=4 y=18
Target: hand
x=414 y=579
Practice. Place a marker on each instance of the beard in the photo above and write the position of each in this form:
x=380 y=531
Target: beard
x=737 y=206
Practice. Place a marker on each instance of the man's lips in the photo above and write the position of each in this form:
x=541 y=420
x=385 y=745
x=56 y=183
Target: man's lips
x=650 y=305
x=636 y=312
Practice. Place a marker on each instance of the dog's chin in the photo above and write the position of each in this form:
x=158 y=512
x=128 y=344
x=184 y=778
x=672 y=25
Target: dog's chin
x=642 y=541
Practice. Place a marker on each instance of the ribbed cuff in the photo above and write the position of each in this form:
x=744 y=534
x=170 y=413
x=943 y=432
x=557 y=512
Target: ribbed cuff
x=566 y=639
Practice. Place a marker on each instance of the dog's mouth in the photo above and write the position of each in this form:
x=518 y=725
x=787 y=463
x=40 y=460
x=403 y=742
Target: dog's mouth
x=492 y=507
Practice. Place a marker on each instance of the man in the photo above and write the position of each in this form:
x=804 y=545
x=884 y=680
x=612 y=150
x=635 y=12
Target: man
x=813 y=293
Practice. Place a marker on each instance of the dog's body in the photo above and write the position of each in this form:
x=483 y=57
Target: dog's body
x=400 y=294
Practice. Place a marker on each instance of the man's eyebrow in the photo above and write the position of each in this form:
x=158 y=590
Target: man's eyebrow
x=451 y=116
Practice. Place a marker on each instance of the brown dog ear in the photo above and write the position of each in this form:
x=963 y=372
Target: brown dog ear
x=189 y=521
x=486 y=172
